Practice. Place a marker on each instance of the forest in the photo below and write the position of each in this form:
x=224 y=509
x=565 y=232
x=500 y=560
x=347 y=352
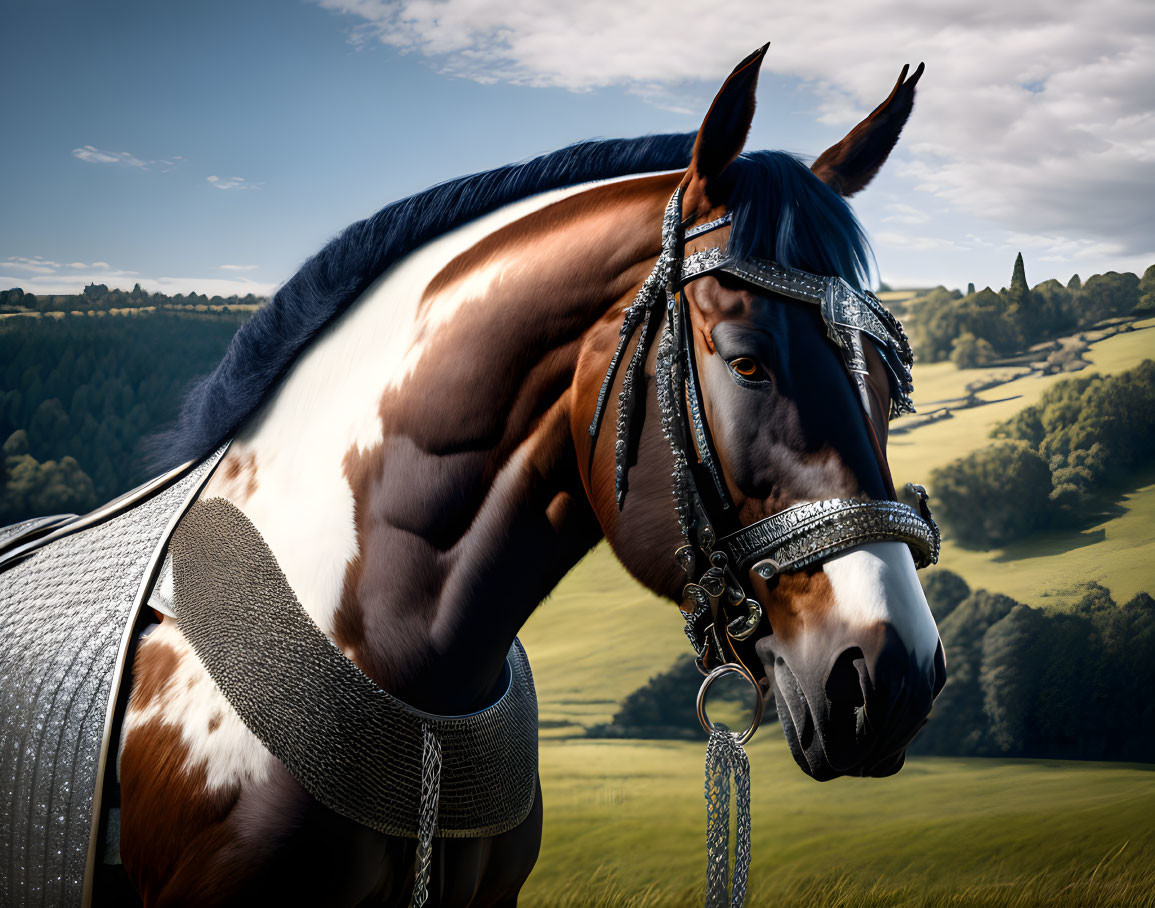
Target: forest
x=99 y=298
x=79 y=395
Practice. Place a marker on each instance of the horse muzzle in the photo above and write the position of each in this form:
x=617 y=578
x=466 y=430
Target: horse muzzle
x=851 y=708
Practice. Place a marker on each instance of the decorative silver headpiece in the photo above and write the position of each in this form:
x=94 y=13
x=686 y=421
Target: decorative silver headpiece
x=801 y=535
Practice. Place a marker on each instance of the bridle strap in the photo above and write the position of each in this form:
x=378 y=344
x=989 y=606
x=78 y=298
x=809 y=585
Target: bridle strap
x=812 y=531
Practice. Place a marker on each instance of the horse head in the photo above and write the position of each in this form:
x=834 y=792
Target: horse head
x=776 y=402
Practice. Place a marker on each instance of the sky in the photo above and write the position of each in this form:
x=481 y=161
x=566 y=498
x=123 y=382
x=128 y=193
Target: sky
x=214 y=146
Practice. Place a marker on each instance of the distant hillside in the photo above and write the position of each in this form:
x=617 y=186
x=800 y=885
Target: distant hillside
x=97 y=298
x=78 y=394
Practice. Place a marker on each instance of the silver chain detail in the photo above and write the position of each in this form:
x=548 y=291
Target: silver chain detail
x=427 y=823
x=725 y=757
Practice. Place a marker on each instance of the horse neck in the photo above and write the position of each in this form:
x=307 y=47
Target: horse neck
x=415 y=473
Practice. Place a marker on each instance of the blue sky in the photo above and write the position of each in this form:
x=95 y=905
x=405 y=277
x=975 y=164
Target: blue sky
x=214 y=146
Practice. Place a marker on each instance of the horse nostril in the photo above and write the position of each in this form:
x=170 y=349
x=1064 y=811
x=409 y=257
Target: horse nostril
x=844 y=684
x=939 y=670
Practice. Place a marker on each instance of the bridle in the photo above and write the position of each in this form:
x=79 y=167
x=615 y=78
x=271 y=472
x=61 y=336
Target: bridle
x=720 y=617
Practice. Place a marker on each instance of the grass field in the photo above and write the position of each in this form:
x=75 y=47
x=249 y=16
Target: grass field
x=624 y=825
x=599 y=636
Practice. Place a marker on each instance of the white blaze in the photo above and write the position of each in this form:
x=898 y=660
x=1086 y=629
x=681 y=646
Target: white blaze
x=877 y=583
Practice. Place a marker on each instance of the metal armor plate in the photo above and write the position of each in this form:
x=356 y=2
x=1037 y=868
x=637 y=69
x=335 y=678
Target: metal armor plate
x=67 y=608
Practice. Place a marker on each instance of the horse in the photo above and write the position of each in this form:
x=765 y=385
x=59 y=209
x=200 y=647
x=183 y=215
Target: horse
x=414 y=430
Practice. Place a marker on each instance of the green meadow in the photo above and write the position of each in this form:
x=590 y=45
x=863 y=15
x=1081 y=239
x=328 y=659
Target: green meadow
x=624 y=820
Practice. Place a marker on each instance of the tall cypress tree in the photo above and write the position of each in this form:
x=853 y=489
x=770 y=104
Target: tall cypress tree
x=1018 y=299
x=1019 y=277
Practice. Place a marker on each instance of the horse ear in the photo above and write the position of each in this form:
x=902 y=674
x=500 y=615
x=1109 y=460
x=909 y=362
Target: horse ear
x=848 y=166
x=723 y=132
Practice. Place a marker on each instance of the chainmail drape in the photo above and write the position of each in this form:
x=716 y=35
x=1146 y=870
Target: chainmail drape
x=726 y=760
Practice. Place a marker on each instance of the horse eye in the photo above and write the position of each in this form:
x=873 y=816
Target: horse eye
x=746 y=367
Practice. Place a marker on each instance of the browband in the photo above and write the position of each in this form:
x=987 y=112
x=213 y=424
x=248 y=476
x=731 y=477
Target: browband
x=845 y=309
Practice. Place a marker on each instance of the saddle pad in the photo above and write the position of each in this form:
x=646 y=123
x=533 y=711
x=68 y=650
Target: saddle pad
x=66 y=611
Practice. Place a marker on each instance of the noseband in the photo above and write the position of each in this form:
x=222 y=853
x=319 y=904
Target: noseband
x=719 y=616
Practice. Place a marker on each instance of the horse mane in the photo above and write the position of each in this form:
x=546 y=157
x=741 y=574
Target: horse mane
x=768 y=190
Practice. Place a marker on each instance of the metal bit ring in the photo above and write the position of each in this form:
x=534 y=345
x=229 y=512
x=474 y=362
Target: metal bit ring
x=730 y=668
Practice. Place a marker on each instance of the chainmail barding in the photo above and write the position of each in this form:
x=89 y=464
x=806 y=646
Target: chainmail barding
x=353 y=746
x=65 y=613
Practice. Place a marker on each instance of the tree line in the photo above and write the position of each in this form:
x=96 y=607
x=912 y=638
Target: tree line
x=984 y=325
x=77 y=396
x=1085 y=435
x=99 y=298
x=666 y=706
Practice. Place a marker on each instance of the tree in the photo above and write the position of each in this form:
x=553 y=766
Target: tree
x=944 y=591
x=1147 y=291
x=1018 y=289
x=41 y=488
x=1019 y=302
x=1010 y=676
x=665 y=706
x=969 y=351
x=1075 y=284
x=958 y=723
x=1105 y=295
x=971 y=289
x=994 y=495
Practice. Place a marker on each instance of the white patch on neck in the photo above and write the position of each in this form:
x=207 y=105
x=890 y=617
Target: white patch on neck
x=303 y=505
x=876 y=583
x=229 y=753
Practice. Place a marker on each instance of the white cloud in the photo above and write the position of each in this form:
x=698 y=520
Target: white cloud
x=232 y=183
x=238 y=267
x=94 y=155
x=34 y=265
x=905 y=214
x=1035 y=115
x=915 y=243
x=37 y=274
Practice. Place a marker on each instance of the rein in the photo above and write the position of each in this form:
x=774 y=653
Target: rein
x=720 y=618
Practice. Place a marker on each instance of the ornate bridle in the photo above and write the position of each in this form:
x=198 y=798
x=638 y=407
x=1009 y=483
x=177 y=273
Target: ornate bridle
x=791 y=539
